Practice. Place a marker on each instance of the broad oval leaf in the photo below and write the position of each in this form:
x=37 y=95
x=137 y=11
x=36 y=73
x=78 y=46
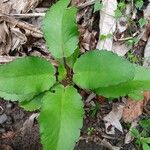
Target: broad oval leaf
x=60 y=29
x=25 y=77
x=133 y=88
x=101 y=69
x=61 y=118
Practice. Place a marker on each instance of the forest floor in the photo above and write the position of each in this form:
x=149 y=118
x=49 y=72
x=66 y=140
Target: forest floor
x=107 y=123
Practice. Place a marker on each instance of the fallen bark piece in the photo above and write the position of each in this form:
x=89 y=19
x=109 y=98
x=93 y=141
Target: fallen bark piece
x=107 y=24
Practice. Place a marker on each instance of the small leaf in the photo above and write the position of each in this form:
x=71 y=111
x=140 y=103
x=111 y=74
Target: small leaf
x=142 y=22
x=146 y=140
x=26 y=77
x=97 y=6
x=62 y=73
x=118 y=14
x=60 y=29
x=101 y=69
x=135 y=133
x=104 y=37
x=139 y=4
x=61 y=118
x=145 y=123
x=145 y=146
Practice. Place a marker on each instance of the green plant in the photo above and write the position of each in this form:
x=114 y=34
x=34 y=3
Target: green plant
x=103 y=37
x=132 y=58
x=142 y=22
x=143 y=137
x=138 y=3
x=33 y=82
x=120 y=8
x=90 y=131
x=97 y=6
x=94 y=109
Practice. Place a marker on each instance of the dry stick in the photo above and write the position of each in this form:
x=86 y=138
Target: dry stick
x=127 y=38
x=21 y=24
x=83 y=5
x=29 y=15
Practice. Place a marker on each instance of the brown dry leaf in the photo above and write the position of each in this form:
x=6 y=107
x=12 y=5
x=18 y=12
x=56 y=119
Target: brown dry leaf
x=28 y=124
x=87 y=35
x=88 y=40
x=5 y=7
x=5 y=147
x=11 y=37
x=23 y=6
x=8 y=134
x=113 y=119
x=120 y=48
x=5 y=40
x=18 y=38
x=134 y=109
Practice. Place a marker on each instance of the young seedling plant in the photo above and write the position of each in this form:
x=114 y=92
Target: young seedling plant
x=142 y=138
x=32 y=82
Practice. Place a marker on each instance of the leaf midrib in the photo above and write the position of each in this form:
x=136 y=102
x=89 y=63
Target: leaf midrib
x=60 y=122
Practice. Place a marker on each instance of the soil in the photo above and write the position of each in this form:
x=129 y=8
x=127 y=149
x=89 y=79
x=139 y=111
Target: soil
x=11 y=133
x=14 y=137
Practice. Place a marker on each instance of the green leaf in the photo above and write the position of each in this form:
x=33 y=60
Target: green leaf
x=145 y=146
x=62 y=73
x=145 y=123
x=118 y=13
x=146 y=140
x=139 y=4
x=26 y=77
x=16 y=97
x=142 y=22
x=140 y=83
x=104 y=37
x=136 y=95
x=60 y=29
x=135 y=133
x=33 y=104
x=101 y=69
x=97 y=6
x=61 y=118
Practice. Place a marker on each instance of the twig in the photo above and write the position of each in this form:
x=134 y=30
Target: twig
x=88 y=3
x=127 y=38
x=23 y=25
x=29 y=15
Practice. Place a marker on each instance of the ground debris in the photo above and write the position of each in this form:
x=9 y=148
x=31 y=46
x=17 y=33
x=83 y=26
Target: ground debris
x=113 y=119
